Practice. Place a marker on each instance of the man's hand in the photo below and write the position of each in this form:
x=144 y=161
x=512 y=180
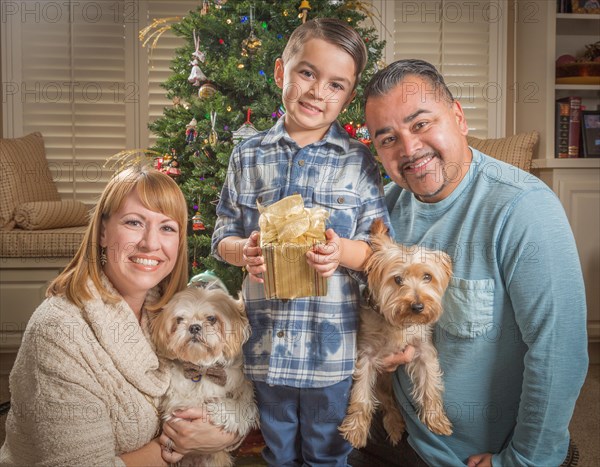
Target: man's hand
x=480 y=460
x=393 y=360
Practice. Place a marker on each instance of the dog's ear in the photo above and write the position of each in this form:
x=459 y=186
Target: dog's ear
x=160 y=330
x=446 y=266
x=238 y=329
x=378 y=227
x=379 y=235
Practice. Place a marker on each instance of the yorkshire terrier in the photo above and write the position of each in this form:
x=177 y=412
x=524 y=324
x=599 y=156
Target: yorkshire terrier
x=403 y=301
x=202 y=330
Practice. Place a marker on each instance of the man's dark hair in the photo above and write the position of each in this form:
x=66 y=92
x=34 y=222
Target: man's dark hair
x=387 y=79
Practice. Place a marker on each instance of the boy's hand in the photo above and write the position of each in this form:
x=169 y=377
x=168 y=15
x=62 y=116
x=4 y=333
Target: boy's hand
x=253 y=259
x=325 y=258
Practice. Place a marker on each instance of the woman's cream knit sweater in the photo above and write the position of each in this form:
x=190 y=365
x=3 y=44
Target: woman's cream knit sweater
x=83 y=386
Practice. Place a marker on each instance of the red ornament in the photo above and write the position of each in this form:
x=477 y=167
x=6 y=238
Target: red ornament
x=197 y=222
x=350 y=129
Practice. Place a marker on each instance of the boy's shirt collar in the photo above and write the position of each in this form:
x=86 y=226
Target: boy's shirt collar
x=336 y=135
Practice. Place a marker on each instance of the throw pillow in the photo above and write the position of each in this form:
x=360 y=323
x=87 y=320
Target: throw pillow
x=517 y=150
x=42 y=215
x=24 y=176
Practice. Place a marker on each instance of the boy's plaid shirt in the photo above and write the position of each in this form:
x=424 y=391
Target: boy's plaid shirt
x=305 y=342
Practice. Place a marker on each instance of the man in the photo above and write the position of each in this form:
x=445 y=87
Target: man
x=512 y=340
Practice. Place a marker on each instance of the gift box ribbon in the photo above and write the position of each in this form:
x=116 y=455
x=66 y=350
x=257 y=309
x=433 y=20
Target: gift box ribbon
x=288 y=221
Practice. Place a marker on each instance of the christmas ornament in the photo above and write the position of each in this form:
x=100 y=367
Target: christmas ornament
x=190 y=131
x=245 y=131
x=251 y=44
x=207 y=280
x=197 y=222
x=350 y=130
x=154 y=31
x=362 y=134
x=194 y=263
x=278 y=113
x=304 y=9
x=209 y=153
x=207 y=90
x=213 y=137
x=172 y=170
x=196 y=75
x=177 y=102
x=205 y=8
x=158 y=163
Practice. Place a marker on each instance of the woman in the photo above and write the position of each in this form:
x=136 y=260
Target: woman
x=87 y=381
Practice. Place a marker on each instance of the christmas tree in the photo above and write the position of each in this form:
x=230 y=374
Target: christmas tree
x=223 y=86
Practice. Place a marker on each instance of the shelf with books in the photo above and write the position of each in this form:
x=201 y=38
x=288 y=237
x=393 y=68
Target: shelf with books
x=585 y=88
x=575 y=82
x=554 y=163
x=539 y=42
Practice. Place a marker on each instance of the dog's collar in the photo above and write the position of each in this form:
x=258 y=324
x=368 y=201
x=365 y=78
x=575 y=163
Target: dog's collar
x=368 y=298
x=215 y=373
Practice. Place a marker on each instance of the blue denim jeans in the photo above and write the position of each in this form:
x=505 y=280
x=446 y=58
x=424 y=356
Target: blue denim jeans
x=300 y=425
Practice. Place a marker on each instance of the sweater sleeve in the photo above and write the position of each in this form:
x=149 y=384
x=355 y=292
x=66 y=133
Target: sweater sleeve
x=543 y=278
x=56 y=417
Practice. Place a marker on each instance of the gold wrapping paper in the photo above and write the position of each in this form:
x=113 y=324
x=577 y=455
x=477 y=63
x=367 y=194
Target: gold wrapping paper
x=287 y=231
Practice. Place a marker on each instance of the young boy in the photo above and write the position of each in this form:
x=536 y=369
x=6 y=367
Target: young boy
x=302 y=351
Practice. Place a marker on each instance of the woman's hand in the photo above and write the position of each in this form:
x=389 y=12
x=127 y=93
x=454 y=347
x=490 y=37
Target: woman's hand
x=191 y=431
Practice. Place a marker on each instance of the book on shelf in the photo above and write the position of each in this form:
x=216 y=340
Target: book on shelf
x=573 y=147
x=561 y=131
x=564 y=6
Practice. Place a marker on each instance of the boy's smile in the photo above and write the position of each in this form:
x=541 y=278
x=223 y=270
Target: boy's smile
x=317 y=83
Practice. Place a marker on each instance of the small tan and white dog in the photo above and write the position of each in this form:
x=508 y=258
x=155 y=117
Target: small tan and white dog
x=202 y=332
x=404 y=300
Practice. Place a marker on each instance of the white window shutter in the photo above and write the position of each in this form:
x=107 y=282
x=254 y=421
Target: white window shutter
x=155 y=61
x=464 y=40
x=71 y=70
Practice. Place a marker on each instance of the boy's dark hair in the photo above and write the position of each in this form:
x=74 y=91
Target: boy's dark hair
x=388 y=78
x=335 y=32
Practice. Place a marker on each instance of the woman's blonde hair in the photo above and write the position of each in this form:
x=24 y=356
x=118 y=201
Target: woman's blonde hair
x=158 y=192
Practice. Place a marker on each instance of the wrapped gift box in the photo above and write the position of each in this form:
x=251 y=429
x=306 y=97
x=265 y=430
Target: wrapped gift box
x=288 y=231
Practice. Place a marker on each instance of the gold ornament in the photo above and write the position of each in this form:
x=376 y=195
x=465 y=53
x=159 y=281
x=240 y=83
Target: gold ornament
x=213 y=137
x=207 y=90
x=250 y=45
x=304 y=9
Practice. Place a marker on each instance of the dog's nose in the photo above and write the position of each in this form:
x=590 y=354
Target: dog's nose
x=195 y=328
x=417 y=307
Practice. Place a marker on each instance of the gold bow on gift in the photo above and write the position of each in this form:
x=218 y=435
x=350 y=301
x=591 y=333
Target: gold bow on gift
x=288 y=221
x=287 y=231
